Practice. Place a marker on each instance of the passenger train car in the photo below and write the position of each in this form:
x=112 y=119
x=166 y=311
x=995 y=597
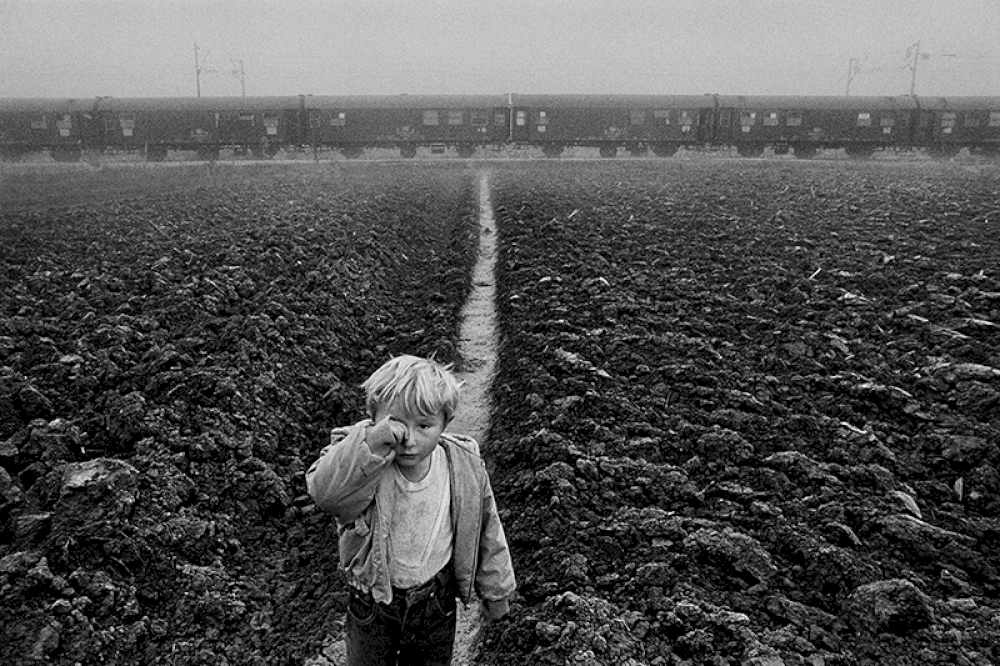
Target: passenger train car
x=637 y=124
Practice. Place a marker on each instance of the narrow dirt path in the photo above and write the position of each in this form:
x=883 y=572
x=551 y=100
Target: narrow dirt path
x=478 y=349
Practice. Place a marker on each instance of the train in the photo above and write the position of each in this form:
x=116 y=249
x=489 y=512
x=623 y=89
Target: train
x=636 y=125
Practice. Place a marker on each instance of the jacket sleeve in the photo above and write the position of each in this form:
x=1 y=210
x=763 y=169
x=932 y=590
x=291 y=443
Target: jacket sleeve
x=495 y=581
x=345 y=477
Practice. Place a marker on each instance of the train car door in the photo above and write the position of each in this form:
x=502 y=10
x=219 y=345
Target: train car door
x=500 y=131
x=718 y=130
x=520 y=130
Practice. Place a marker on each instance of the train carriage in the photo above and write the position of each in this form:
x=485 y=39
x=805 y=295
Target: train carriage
x=156 y=125
x=949 y=124
x=662 y=123
x=860 y=125
x=352 y=123
x=62 y=126
x=259 y=125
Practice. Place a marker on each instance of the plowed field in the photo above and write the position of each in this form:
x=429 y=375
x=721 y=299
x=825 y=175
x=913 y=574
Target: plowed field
x=169 y=367
x=749 y=413
x=744 y=412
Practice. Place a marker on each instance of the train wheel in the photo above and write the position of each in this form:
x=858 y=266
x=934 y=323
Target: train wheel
x=861 y=152
x=750 y=149
x=805 y=152
x=609 y=151
x=466 y=150
x=408 y=151
x=551 y=150
x=70 y=154
x=943 y=152
x=664 y=149
x=12 y=154
x=209 y=154
x=352 y=152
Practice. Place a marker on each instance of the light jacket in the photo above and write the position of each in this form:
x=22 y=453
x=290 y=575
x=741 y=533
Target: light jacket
x=348 y=482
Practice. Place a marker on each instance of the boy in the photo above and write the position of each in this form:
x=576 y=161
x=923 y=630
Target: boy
x=417 y=521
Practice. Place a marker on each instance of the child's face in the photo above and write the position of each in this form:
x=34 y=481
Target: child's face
x=413 y=455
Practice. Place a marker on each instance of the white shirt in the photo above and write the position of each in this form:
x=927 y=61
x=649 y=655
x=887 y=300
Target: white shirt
x=420 y=531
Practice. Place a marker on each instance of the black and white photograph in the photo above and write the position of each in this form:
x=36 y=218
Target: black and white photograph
x=523 y=333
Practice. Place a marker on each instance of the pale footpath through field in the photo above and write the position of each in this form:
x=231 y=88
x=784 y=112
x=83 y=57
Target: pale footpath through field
x=478 y=350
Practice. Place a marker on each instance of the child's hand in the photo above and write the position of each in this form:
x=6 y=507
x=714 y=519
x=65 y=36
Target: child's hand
x=384 y=437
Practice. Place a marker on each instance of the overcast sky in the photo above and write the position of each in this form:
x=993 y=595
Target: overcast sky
x=133 y=48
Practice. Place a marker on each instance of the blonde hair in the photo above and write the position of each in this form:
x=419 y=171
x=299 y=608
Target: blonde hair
x=424 y=386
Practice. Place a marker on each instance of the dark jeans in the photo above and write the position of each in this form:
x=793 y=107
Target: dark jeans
x=416 y=628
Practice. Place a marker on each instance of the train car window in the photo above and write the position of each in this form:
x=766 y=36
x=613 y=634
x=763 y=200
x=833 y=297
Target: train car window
x=542 y=119
x=247 y=118
x=661 y=117
x=771 y=118
x=65 y=124
x=972 y=119
x=687 y=120
x=314 y=120
x=948 y=119
x=994 y=118
x=794 y=119
x=887 y=121
x=271 y=123
x=864 y=120
x=127 y=121
x=479 y=118
x=499 y=118
x=522 y=118
x=110 y=124
x=748 y=118
x=39 y=122
x=637 y=117
x=339 y=119
x=455 y=117
x=431 y=118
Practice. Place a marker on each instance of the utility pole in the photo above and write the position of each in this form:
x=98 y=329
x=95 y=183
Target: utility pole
x=913 y=67
x=242 y=76
x=197 y=70
x=919 y=55
x=853 y=68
